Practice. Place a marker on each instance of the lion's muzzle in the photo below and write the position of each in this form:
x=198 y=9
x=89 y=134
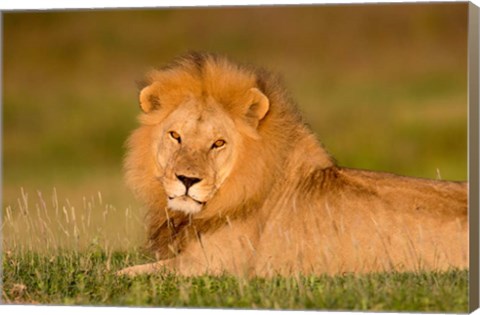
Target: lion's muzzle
x=185 y=198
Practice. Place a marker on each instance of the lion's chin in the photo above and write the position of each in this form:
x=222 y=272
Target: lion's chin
x=184 y=204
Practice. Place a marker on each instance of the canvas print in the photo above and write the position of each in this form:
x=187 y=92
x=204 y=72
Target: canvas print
x=270 y=157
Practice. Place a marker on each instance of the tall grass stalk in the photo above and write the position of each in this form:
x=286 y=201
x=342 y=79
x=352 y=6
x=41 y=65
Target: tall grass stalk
x=38 y=224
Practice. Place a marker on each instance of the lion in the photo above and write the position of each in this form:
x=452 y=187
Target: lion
x=235 y=182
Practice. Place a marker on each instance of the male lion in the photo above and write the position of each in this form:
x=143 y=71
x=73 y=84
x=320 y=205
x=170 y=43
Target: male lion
x=235 y=182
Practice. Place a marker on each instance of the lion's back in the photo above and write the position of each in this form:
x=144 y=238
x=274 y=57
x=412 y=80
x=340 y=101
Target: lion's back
x=360 y=221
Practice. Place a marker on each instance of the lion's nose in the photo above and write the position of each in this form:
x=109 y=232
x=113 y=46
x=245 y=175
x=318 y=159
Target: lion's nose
x=188 y=181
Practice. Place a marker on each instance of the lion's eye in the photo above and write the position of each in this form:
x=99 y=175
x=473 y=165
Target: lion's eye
x=175 y=136
x=218 y=144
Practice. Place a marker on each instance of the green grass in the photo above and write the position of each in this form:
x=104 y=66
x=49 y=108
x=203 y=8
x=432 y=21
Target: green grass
x=58 y=251
x=88 y=277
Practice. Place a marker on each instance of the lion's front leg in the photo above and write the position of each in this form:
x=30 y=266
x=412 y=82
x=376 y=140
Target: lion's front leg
x=151 y=268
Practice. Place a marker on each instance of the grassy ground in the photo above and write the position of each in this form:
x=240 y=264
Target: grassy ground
x=383 y=86
x=88 y=278
x=56 y=252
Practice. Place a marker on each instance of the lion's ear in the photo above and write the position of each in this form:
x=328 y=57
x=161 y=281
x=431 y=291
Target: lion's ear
x=256 y=107
x=149 y=100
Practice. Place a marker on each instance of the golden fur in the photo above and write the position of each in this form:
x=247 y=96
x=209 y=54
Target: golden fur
x=267 y=198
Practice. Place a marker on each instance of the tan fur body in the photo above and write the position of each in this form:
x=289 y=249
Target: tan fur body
x=281 y=205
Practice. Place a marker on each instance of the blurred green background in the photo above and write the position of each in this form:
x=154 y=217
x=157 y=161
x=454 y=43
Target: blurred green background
x=383 y=86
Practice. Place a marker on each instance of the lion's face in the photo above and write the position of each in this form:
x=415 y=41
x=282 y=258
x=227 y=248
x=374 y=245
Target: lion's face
x=195 y=150
x=196 y=131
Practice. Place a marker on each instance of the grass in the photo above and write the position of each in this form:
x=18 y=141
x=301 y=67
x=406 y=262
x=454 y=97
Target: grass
x=56 y=252
x=42 y=222
x=87 y=278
